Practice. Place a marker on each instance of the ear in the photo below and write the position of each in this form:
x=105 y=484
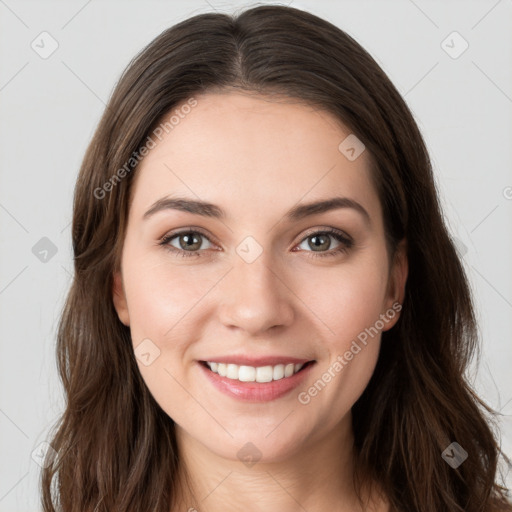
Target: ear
x=396 y=285
x=119 y=299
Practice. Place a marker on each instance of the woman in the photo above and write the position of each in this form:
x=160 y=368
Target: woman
x=268 y=312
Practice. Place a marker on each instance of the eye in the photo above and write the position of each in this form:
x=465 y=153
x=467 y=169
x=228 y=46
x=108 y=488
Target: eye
x=188 y=242
x=320 y=240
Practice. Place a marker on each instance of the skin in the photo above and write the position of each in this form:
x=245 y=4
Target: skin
x=257 y=158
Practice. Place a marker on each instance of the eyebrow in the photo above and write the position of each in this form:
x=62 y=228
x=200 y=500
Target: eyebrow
x=296 y=213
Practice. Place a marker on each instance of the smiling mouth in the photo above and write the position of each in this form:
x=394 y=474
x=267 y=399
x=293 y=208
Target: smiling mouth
x=261 y=374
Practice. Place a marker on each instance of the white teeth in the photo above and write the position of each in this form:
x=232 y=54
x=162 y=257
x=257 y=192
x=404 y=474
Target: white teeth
x=252 y=374
x=264 y=374
x=232 y=371
x=245 y=373
x=278 y=372
x=221 y=370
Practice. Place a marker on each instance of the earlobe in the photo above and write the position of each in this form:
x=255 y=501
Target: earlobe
x=119 y=299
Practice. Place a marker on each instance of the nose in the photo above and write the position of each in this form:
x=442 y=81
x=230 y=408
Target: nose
x=255 y=297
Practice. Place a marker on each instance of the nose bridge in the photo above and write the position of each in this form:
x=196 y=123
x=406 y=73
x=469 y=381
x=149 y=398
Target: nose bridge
x=254 y=297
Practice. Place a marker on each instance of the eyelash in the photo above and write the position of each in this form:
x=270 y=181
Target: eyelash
x=345 y=243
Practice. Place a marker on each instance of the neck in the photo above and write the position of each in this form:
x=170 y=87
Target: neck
x=317 y=477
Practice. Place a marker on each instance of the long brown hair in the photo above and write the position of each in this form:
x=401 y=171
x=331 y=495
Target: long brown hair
x=116 y=448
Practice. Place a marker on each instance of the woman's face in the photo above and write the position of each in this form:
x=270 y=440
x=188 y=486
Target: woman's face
x=256 y=281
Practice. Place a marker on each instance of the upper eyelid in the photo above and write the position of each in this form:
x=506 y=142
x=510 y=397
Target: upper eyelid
x=327 y=230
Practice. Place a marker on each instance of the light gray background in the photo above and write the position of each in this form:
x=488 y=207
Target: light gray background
x=49 y=109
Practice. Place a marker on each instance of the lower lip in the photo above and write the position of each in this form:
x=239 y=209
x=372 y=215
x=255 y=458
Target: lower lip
x=256 y=391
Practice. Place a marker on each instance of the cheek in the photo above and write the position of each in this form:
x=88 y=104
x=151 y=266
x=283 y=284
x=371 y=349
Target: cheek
x=162 y=302
x=350 y=309
x=162 y=297
x=346 y=298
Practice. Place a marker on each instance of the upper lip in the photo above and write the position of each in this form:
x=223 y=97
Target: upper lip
x=242 y=360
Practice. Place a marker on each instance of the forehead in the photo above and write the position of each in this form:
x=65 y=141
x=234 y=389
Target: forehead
x=252 y=152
